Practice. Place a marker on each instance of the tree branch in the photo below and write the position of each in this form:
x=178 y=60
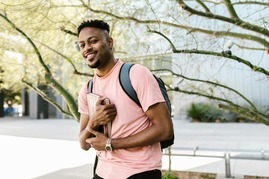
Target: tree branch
x=30 y=41
x=233 y=57
x=68 y=59
x=251 y=2
x=222 y=54
x=211 y=83
x=254 y=115
x=207 y=10
x=48 y=75
x=204 y=95
x=259 y=40
x=230 y=9
x=169 y=41
x=68 y=31
x=46 y=98
x=243 y=36
x=235 y=21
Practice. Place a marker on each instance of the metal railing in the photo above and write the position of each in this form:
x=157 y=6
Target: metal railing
x=227 y=155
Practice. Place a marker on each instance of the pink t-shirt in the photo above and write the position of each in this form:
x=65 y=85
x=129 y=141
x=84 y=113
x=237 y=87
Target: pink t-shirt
x=130 y=120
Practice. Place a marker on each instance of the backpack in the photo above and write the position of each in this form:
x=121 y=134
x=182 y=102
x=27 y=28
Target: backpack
x=127 y=87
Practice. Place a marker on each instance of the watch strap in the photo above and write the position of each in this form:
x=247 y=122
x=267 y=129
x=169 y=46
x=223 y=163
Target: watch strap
x=108 y=142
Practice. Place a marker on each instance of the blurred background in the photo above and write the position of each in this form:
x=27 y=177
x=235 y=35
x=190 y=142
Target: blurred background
x=212 y=55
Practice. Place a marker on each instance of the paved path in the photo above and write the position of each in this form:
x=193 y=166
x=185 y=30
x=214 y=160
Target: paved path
x=48 y=149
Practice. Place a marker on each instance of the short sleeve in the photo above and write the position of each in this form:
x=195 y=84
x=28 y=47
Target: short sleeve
x=146 y=86
x=82 y=100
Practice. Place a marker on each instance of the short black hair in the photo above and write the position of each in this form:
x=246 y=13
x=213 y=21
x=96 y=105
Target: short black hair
x=93 y=23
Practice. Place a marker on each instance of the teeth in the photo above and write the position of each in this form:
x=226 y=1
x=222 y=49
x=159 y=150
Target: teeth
x=90 y=56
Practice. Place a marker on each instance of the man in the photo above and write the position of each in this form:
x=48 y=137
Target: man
x=136 y=132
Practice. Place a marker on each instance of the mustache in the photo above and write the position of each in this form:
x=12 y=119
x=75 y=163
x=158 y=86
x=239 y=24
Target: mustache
x=88 y=52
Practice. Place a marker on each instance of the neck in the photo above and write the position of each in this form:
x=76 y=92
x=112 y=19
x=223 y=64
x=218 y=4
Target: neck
x=106 y=69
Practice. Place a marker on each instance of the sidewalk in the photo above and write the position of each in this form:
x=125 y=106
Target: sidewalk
x=42 y=149
x=48 y=149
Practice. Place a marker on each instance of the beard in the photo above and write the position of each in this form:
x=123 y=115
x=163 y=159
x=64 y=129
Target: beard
x=95 y=65
x=101 y=59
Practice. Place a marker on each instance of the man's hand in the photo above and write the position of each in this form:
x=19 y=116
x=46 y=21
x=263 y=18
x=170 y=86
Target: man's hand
x=104 y=114
x=98 y=142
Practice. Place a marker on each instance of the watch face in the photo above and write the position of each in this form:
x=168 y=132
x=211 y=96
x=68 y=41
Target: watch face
x=108 y=148
x=108 y=145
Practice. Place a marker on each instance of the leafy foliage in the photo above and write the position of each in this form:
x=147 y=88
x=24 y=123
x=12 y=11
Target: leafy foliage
x=205 y=112
x=169 y=175
x=37 y=42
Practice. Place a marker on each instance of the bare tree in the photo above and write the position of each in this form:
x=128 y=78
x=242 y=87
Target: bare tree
x=191 y=30
x=249 y=35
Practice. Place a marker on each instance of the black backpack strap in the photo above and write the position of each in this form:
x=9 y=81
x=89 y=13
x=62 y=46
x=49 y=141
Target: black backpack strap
x=90 y=85
x=125 y=82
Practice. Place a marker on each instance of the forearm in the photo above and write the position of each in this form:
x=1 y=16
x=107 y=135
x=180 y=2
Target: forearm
x=85 y=134
x=148 y=136
x=160 y=130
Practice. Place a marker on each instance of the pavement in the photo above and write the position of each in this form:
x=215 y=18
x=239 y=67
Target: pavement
x=49 y=149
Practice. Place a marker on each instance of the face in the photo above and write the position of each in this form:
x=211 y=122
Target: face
x=95 y=46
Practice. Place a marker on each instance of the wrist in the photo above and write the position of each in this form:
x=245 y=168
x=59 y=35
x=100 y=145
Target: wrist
x=91 y=124
x=108 y=146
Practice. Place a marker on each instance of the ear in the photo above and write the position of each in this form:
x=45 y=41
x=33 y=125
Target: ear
x=110 y=42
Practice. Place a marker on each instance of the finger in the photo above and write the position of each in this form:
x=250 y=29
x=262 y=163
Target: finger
x=106 y=101
x=100 y=100
x=88 y=141
x=94 y=132
x=110 y=108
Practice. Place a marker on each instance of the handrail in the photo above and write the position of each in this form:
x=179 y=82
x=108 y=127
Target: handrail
x=227 y=154
x=250 y=154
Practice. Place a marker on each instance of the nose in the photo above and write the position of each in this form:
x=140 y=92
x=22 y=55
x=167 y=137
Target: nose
x=88 y=47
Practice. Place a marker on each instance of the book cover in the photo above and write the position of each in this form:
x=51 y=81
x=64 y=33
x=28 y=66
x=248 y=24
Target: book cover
x=92 y=99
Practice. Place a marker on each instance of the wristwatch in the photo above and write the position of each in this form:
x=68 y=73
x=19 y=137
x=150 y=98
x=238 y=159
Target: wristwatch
x=108 y=145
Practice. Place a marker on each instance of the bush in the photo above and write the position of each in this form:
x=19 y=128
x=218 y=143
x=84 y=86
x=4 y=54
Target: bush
x=169 y=175
x=203 y=112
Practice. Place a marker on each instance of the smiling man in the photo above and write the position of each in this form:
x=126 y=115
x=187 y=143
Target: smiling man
x=133 y=150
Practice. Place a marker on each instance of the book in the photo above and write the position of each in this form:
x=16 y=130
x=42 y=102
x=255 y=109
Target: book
x=92 y=99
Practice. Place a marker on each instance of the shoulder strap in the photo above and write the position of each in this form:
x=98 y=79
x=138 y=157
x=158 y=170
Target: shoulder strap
x=90 y=85
x=125 y=82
